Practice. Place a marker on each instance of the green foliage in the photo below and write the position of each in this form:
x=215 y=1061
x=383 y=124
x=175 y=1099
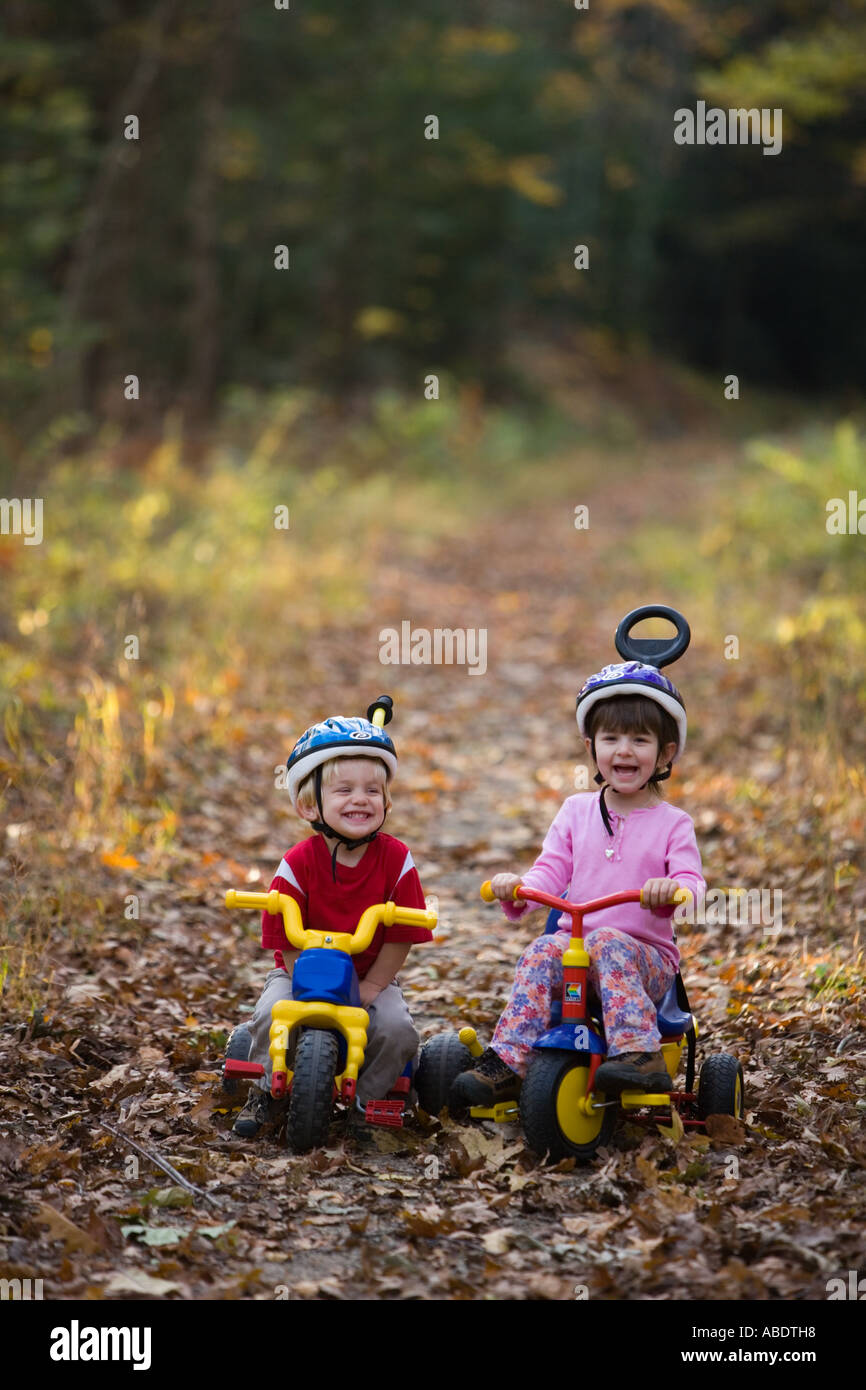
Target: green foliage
x=764 y=565
x=407 y=254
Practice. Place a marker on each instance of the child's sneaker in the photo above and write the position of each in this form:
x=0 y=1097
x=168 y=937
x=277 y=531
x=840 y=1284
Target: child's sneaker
x=256 y=1112
x=633 y=1071
x=489 y=1082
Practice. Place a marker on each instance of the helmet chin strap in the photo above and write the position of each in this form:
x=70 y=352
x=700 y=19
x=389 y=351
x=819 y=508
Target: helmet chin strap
x=322 y=826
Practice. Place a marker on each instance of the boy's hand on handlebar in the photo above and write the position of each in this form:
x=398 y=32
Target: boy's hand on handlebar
x=503 y=885
x=658 y=892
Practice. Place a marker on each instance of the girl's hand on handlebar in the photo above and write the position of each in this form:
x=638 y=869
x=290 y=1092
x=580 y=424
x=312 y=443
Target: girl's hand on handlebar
x=503 y=885
x=658 y=892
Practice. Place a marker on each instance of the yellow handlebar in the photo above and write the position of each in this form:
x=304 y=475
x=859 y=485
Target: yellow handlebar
x=300 y=937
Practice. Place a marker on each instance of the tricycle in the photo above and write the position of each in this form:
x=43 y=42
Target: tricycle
x=562 y=1115
x=323 y=1027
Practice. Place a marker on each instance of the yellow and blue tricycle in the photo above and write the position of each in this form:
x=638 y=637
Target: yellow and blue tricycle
x=322 y=1028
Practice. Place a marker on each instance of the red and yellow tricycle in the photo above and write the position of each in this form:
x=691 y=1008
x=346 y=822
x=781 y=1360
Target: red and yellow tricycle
x=561 y=1112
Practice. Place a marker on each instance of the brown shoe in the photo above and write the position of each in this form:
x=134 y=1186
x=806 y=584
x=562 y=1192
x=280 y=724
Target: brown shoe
x=633 y=1071
x=489 y=1082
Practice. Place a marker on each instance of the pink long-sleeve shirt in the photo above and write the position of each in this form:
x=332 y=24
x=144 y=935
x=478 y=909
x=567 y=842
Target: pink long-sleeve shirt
x=655 y=841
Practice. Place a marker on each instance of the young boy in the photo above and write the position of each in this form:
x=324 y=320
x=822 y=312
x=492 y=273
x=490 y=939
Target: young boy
x=339 y=776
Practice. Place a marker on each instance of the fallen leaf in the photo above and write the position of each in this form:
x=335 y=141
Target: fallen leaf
x=726 y=1129
x=156 y=1235
x=139 y=1282
x=498 y=1242
x=61 y=1228
x=111 y=1078
x=675 y=1130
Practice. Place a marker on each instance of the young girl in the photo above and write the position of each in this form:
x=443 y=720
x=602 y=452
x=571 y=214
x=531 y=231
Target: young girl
x=633 y=723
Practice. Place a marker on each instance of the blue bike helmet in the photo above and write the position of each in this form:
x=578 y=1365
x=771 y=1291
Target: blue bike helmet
x=351 y=738
x=321 y=742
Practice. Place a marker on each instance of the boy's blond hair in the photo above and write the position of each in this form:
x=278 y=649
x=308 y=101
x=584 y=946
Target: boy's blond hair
x=330 y=772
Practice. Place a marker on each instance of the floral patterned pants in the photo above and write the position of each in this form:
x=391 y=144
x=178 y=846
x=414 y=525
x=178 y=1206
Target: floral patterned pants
x=629 y=976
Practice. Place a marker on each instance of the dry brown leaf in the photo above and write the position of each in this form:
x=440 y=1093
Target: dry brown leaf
x=726 y=1129
x=61 y=1228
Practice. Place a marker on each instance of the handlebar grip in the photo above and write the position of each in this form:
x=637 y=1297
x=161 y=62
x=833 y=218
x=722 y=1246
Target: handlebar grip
x=381 y=711
x=238 y=898
x=489 y=896
x=656 y=651
x=681 y=895
x=409 y=916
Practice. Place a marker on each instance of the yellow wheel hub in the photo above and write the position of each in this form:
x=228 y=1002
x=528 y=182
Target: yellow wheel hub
x=577 y=1122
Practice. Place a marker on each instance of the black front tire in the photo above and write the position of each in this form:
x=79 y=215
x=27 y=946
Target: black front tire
x=720 y=1087
x=312 y=1097
x=551 y=1122
x=237 y=1050
x=442 y=1060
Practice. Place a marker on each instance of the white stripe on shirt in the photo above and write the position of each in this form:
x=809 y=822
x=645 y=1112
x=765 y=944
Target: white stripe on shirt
x=408 y=863
x=284 y=871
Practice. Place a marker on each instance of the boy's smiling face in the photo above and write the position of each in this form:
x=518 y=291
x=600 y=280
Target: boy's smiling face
x=353 y=797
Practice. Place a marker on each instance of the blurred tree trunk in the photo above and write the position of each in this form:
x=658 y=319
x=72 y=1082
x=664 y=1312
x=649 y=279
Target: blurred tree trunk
x=203 y=318
x=87 y=252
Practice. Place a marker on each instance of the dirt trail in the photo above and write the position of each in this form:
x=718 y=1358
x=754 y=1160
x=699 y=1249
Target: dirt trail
x=769 y=1212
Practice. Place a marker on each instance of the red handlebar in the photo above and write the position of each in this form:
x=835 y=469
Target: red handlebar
x=595 y=905
x=577 y=911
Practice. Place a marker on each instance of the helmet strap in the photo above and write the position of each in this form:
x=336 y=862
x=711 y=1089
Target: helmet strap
x=324 y=829
x=660 y=776
x=605 y=815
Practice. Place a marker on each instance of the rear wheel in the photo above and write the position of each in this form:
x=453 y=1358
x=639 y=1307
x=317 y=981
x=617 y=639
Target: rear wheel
x=552 y=1120
x=720 y=1087
x=311 y=1103
x=237 y=1050
x=442 y=1060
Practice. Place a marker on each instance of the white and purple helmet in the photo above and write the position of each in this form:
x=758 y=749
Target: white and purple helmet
x=633 y=678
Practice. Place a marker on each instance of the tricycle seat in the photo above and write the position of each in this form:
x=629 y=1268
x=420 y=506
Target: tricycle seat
x=671 y=1018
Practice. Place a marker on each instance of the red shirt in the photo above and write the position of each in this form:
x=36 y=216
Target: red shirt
x=384 y=873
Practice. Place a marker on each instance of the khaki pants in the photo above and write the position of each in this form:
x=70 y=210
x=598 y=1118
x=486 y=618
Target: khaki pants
x=391 y=1037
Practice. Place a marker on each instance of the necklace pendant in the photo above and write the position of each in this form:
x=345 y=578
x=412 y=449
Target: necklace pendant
x=609 y=853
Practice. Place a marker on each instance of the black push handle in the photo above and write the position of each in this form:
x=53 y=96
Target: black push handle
x=655 y=651
x=385 y=703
